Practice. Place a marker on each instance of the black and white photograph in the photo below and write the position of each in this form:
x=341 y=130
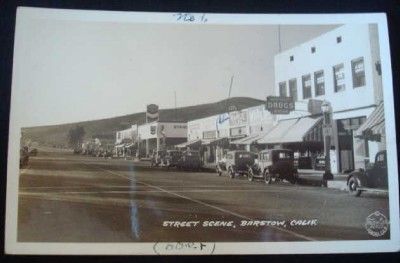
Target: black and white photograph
x=196 y=133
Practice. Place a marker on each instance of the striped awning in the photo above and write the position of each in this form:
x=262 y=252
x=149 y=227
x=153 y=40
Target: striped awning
x=249 y=139
x=188 y=144
x=374 y=123
x=213 y=141
x=290 y=131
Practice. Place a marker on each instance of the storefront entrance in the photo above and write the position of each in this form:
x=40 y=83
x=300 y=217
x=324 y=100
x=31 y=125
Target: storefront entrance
x=345 y=129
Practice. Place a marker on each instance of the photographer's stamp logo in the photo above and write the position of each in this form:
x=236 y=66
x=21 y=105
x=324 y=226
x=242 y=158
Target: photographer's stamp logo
x=376 y=224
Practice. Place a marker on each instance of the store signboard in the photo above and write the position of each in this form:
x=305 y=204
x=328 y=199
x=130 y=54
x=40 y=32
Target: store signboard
x=280 y=105
x=238 y=118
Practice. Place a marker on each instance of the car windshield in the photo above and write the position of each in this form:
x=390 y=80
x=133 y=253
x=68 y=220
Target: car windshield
x=244 y=155
x=284 y=155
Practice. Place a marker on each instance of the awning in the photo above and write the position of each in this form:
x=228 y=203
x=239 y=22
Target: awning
x=188 y=144
x=129 y=145
x=250 y=139
x=120 y=145
x=213 y=141
x=289 y=131
x=375 y=123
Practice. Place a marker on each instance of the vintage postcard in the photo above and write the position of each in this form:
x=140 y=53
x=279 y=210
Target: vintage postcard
x=191 y=133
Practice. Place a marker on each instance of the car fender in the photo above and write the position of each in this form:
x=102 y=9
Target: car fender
x=360 y=177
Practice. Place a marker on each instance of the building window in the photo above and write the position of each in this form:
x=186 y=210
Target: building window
x=319 y=83
x=293 y=89
x=338 y=77
x=306 y=81
x=358 y=72
x=282 y=89
x=338 y=39
x=312 y=49
x=291 y=58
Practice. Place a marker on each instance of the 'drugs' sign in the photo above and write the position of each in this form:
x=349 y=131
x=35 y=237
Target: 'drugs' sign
x=279 y=105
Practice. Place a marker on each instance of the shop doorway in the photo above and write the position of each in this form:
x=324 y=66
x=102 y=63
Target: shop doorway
x=345 y=128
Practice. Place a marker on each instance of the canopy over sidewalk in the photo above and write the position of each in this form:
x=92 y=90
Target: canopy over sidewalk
x=290 y=131
x=189 y=143
x=375 y=123
x=250 y=139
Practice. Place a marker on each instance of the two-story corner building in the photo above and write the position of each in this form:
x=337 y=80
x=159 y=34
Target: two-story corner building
x=255 y=123
x=342 y=67
x=236 y=129
x=125 y=141
x=160 y=135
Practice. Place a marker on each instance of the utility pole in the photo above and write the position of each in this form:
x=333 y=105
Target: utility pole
x=229 y=94
x=176 y=117
x=279 y=38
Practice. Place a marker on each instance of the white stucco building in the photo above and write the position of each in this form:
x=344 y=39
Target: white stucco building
x=342 y=67
x=160 y=135
x=125 y=139
x=216 y=133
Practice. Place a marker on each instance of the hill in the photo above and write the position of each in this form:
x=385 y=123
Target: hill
x=105 y=128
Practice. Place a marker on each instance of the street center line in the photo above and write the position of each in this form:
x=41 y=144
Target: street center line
x=203 y=203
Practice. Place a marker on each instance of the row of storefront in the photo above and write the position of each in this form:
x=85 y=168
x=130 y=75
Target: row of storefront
x=354 y=140
x=356 y=130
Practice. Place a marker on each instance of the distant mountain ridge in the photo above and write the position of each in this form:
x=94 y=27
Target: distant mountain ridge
x=106 y=128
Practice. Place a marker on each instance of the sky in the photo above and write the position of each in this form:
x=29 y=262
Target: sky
x=69 y=71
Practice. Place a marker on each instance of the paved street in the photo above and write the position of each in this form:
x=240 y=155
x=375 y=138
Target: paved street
x=73 y=198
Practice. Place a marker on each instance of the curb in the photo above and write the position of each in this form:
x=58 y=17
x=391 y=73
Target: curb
x=339 y=185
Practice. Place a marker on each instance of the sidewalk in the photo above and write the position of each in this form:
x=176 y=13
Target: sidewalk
x=310 y=176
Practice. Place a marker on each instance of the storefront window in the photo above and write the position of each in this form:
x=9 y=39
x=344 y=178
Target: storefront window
x=338 y=77
x=306 y=81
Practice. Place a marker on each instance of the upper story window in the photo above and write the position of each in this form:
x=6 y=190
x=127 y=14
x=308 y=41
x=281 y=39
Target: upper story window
x=291 y=58
x=319 y=83
x=306 y=82
x=293 y=89
x=358 y=72
x=338 y=78
x=282 y=89
x=339 y=39
x=312 y=49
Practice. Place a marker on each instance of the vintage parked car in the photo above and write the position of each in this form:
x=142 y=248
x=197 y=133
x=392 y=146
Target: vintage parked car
x=23 y=157
x=237 y=162
x=157 y=157
x=190 y=160
x=373 y=178
x=319 y=163
x=275 y=164
x=171 y=158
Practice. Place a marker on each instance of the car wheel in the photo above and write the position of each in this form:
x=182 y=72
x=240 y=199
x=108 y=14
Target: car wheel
x=250 y=175
x=219 y=172
x=231 y=173
x=353 y=187
x=293 y=179
x=267 y=177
